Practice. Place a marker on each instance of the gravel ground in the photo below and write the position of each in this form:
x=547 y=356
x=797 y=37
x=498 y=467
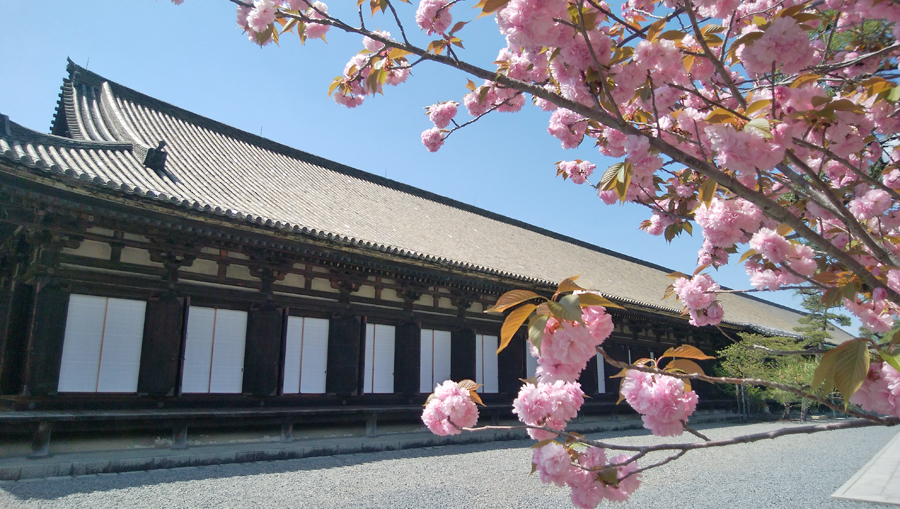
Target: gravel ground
x=796 y=472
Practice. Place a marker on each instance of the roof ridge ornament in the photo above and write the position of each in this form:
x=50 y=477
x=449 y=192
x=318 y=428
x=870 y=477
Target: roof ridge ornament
x=155 y=159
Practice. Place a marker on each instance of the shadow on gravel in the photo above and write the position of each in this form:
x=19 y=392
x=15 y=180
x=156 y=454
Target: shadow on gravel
x=35 y=490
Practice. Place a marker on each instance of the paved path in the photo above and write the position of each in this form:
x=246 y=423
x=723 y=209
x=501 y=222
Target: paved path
x=791 y=472
x=879 y=480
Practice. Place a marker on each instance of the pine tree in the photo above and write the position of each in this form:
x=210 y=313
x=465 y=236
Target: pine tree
x=819 y=322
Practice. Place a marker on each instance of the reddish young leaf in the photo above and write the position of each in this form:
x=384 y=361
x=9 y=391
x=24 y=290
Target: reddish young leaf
x=593 y=299
x=512 y=298
x=684 y=366
x=686 y=352
x=513 y=323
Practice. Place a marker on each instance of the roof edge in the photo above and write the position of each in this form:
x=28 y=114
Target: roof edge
x=87 y=77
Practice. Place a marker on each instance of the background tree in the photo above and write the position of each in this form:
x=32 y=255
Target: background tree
x=818 y=323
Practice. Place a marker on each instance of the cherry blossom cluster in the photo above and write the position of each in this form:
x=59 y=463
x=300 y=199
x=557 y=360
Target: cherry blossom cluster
x=567 y=347
x=581 y=471
x=449 y=410
x=699 y=297
x=548 y=404
x=661 y=400
x=880 y=392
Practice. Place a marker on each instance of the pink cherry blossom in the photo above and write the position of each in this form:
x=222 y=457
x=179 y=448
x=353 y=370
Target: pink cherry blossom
x=568 y=126
x=548 y=404
x=373 y=45
x=771 y=245
x=433 y=139
x=880 y=391
x=578 y=171
x=433 y=16
x=661 y=400
x=451 y=408
x=553 y=463
x=784 y=43
x=442 y=113
x=318 y=10
x=698 y=292
x=262 y=15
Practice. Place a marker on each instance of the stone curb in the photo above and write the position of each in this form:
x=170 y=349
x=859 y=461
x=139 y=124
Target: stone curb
x=113 y=462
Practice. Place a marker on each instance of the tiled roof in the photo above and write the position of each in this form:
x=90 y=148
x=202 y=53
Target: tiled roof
x=216 y=169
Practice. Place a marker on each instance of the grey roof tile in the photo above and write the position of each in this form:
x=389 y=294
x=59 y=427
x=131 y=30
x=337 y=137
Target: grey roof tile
x=224 y=171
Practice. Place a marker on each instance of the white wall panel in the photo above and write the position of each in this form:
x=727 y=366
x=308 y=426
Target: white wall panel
x=198 y=349
x=530 y=362
x=227 y=374
x=369 y=360
x=120 y=357
x=486 y=371
x=601 y=374
x=426 y=358
x=315 y=356
x=434 y=359
x=379 y=361
x=293 y=349
x=441 y=357
x=81 y=344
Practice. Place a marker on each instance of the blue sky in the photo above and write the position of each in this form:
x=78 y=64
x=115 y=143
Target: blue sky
x=194 y=56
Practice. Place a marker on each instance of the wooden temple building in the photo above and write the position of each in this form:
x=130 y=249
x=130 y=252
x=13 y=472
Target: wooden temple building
x=156 y=265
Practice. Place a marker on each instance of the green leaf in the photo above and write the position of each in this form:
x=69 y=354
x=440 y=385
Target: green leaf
x=609 y=176
x=893 y=337
x=536 y=330
x=512 y=298
x=851 y=366
x=893 y=360
x=894 y=95
x=761 y=125
x=609 y=476
x=512 y=324
x=566 y=309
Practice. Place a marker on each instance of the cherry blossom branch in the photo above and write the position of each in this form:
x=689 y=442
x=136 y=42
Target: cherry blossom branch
x=476 y=119
x=694 y=432
x=705 y=168
x=670 y=459
x=877 y=250
x=856 y=171
x=815 y=351
x=720 y=67
x=885 y=421
x=850 y=63
x=397 y=19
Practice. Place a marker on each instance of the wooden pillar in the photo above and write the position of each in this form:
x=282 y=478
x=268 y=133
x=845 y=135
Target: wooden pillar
x=344 y=342
x=407 y=358
x=462 y=355
x=511 y=364
x=45 y=344
x=17 y=306
x=161 y=347
x=262 y=358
